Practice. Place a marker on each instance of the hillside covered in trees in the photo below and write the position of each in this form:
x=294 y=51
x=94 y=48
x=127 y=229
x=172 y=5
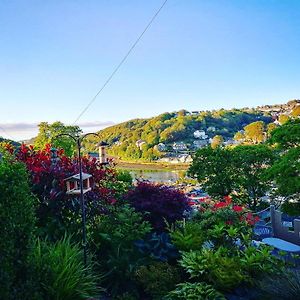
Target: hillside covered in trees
x=183 y=131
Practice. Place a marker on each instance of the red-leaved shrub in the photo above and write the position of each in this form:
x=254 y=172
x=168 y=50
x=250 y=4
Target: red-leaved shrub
x=159 y=203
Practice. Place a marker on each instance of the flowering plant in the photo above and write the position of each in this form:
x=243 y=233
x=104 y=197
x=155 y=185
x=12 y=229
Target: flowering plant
x=226 y=223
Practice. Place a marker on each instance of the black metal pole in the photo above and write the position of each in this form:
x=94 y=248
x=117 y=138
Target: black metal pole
x=78 y=141
x=82 y=202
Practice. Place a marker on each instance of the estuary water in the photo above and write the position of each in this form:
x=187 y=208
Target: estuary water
x=158 y=176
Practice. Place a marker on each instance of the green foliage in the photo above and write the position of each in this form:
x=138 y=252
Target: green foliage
x=285 y=171
x=257 y=262
x=290 y=208
x=60 y=272
x=220 y=171
x=251 y=163
x=125 y=176
x=17 y=222
x=215 y=267
x=187 y=235
x=254 y=132
x=284 y=286
x=194 y=291
x=286 y=136
x=169 y=128
x=214 y=169
x=158 y=278
x=113 y=238
x=48 y=135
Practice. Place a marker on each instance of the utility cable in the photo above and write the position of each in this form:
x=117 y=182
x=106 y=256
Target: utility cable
x=121 y=62
x=9 y=135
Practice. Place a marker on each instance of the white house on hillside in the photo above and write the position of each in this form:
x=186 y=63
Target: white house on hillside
x=200 y=134
x=180 y=146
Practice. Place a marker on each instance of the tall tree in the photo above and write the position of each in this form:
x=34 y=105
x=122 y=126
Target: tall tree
x=48 y=134
x=214 y=169
x=251 y=163
x=286 y=136
x=286 y=169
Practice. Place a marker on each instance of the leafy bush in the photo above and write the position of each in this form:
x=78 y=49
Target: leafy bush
x=285 y=286
x=113 y=237
x=17 y=222
x=160 y=204
x=194 y=291
x=187 y=236
x=60 y=271
x=158 y=278
x=225 y=224
x=216 y=267
x=258 y=261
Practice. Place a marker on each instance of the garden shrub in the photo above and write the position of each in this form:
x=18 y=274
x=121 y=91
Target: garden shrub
x=60 y=271
x=226 y=224
x=159 y=203
x=194 y=291
x=17 y=223
x=187 y=236
x=216 y=267
x=158 y=278
x=113 y=238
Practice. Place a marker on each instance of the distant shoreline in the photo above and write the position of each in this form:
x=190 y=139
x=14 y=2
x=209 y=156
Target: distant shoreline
x=151 y=166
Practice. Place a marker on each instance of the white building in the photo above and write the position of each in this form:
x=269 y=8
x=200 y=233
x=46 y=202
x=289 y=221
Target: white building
x=200 y=134
x=180 y=146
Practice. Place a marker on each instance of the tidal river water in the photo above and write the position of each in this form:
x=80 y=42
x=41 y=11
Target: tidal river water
x=161 y=176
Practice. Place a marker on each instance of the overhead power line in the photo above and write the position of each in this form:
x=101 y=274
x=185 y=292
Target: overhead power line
x=121 y=62
x=9 y=135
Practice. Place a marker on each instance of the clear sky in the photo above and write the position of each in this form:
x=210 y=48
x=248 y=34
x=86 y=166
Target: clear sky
x=198 y=55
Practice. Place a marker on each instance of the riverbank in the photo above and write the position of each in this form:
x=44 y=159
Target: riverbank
x=151 y=166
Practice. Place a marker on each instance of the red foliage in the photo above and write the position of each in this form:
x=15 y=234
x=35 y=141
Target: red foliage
x=48 y=184
x=159 y=203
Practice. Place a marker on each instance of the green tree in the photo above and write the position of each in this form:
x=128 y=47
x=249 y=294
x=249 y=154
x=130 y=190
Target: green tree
x=217 y=141
x=214 y=170
x=251 y=163
x=287 y=135
x=48 y=135
x=286 y=169
x=254 y=132
x=286 y=173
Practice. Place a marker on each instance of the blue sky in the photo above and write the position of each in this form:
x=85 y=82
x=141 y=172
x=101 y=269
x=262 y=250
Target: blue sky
x=198 y=55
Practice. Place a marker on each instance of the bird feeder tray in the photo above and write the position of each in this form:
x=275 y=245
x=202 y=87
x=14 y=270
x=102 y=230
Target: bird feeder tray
x=73 y=184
